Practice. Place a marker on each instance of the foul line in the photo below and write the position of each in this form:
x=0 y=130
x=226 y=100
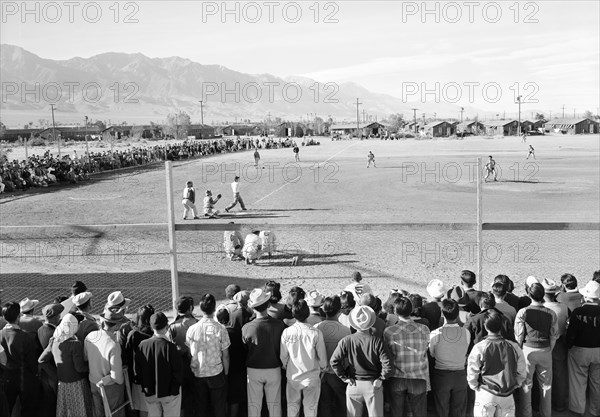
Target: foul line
x=287 y=183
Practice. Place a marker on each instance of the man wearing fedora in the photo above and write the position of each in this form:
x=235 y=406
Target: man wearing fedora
x=116 y=302
x=362 y=362
x=407 y=342
x=28 y=322
x=560 y=375
x=303 y=356
x=314 y=299
x=262 y=338
x=103 y=354
x=583 y=341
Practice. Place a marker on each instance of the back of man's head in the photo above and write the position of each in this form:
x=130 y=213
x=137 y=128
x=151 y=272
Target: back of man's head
x=403 y=307
x=537 y=292
x=223 y=316
x=499 y=289
x=356 y=277
x=11 y=311
x=450 y=309
x=332 y=306
x=300 y=310
x=468 y=277
x=368 y=300
x=596 y=276
x=493 y=322
x=208 y=304
x=487 y=300
x=568 y=281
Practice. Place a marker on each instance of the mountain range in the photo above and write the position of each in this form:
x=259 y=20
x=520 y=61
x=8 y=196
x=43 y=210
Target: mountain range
x=120 y=87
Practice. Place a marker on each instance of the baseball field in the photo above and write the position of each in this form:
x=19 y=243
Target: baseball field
x=414 y=181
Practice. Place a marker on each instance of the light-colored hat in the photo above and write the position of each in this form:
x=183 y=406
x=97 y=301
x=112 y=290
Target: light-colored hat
x=550 y=286
x=362 y=317
x=241 y=296
x=27 y=304
x=116 y=299
x=314 y=299
x=82 y=298
x=531 y=280
x=435 y=288
x=113 y=316
x=591 y=290
x=258 y=297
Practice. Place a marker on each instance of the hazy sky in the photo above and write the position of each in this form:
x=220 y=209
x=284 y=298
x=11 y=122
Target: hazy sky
x=549 y=49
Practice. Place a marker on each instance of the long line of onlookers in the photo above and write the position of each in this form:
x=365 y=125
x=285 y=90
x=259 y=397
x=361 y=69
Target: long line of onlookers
x=462 y=353
x=50 y=169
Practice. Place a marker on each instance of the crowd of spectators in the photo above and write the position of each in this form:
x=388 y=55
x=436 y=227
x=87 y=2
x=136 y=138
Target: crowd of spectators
x=463 y=352
x=50 y=169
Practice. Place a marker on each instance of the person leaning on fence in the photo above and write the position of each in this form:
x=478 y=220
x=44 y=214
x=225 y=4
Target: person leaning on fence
x=495 y=369
x=189 y=201
x=160 y=370
x=583 y=341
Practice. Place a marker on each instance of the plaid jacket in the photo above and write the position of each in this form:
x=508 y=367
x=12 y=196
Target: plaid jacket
x=407 y=343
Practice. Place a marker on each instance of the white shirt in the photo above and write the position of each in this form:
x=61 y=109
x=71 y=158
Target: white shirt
x=303 y=352
x=235 y=186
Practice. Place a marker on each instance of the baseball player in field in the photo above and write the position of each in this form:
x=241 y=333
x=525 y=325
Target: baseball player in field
x=209 y=205
x=491 y=169
x=233 y=242
x=252 y=249
x=371 y=158
x=189 y=200
x=237 y=197
x=531 y=152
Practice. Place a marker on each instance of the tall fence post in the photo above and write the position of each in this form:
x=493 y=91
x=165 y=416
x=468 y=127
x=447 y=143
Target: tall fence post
x=172 y=240
x=479 y=222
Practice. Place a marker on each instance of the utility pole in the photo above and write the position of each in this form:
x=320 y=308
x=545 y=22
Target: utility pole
x=201 y=114
x=462 y=109
x=364 y=117
x=423 y=119
x=415 y=118
x=434 y=116
x=563 y=111
x=519 y=125
x=87 y=148
x=574 y=114
x=358 y=119
x=54 y=129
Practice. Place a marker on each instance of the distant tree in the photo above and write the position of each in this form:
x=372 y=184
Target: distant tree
x=178 y=124
x=589 y=115
x=540 y=116
x=157 y=130
x=278 y=120
x=395 y=122
x=100 y=124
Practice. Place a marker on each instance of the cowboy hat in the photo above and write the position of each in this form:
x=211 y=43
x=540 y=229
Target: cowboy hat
x=362 y=317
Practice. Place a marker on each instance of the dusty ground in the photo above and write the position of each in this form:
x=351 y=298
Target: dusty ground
x=415 y=181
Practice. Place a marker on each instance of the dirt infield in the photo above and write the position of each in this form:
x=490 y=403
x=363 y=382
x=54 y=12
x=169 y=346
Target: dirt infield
x=415 y=181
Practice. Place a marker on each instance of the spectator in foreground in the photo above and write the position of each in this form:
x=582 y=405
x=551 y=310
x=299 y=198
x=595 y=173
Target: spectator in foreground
x=208 y=341
x=361 y=361
x=262 y=337
x=303 y=356
x=448 y=346
x=160 y=370
x=141 y=331
x=74 y=395
x=468 y=279
x=432 y=311
x=103 y=354
x=536 y=331
x=314 y=299
x=499 y=290
x=20 y=372
x=407 y=343
x=333 y=389
x=583 y=341
x=571 y=297
x=496 y=368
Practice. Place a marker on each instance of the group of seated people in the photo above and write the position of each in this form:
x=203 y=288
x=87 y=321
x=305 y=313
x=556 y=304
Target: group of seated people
x=462 y=353
x=49 y=169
